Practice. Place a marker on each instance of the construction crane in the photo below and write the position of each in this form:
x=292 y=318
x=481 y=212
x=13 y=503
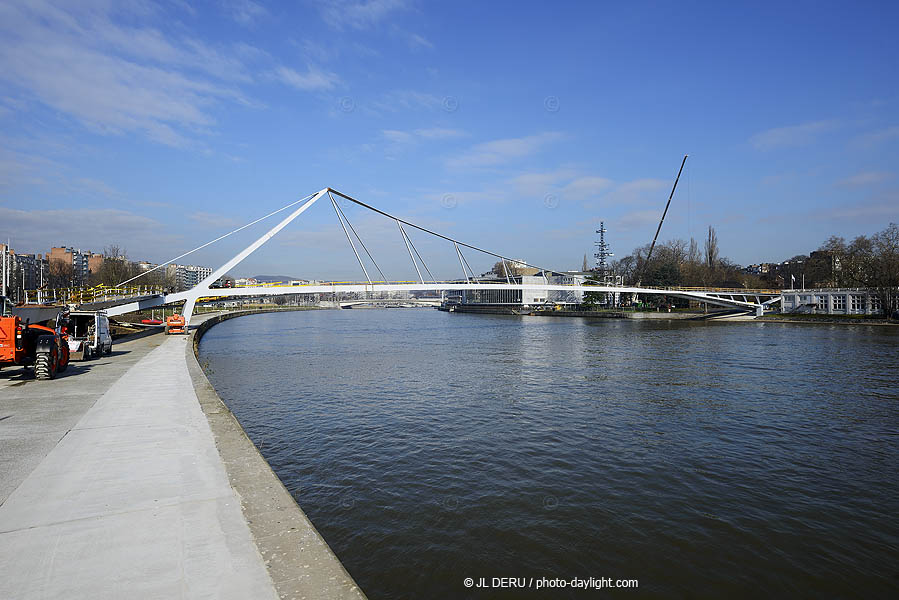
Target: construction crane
x=656 y=236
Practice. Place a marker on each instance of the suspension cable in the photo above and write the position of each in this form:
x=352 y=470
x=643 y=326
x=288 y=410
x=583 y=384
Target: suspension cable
x=215 y=240
x=349 y=239
x=424 y=229
x=370 y=257
x=423 y=263
x=409 y=250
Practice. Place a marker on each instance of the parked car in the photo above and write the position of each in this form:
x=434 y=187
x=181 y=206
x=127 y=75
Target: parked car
x=89 y=334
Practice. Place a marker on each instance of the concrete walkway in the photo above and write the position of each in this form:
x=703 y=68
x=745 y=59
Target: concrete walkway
x=133 y=502
x=122 y=483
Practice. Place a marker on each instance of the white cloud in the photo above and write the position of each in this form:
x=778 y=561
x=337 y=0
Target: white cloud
x=91 y=63
x=586 y=187
x=882 y=210
x=312 y=79
x=637 y=191
x=350 y=14
x=793 y=135
x=36 y=230
x=865 y=178
x=881 y=136
x=498 y=152
x=638 y=219
x=398 y=137
x=245 y=12
x=404 y=100
x=213 y=220
x=417 y=41
x=439 y=133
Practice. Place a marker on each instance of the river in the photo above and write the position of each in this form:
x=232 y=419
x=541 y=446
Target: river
x=702 y=459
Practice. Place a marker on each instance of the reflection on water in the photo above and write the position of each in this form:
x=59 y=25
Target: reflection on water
x=704 y=460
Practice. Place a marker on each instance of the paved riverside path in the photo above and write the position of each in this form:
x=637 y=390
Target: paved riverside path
x=134 y=500
x=121 y=479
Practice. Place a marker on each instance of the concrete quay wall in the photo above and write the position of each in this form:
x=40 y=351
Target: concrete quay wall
x=299 y=560
x=126 y=477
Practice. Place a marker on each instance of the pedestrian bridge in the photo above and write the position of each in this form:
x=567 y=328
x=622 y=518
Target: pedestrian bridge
x=754 y=301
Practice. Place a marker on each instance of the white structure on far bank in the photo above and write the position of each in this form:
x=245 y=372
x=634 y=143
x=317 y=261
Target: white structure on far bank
x=832 y=301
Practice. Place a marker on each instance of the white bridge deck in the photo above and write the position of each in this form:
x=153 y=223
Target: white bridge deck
x=750 y=300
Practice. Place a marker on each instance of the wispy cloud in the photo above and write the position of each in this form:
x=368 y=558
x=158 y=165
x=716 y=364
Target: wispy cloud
x=312 y=79
x=586 y=187
x=91 y=63
x=498 y=152
x=875 y=138
x=865 y=178
x=245 y=12
x=637 y=219
x=535 y=184
x=405 y=100
x=213 y=220
x=793 y=135
x=879 y=210
x=34 y=229
x=352 y=14
x=440 y=133
x=417 y=41
x=409 y=137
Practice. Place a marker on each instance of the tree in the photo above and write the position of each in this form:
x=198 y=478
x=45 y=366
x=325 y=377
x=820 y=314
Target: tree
x=593 y=299
x=61 y=274
x=711 y=249
x=116 y=267
x=886 y=268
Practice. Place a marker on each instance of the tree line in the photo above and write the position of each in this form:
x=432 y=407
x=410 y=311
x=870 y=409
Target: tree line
x=681 y=263
x=866 y=261
x=115 y=269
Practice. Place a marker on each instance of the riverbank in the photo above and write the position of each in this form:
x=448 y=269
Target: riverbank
x=118 y=480
x=825 y=320
x=300 y=562
x=588 y=314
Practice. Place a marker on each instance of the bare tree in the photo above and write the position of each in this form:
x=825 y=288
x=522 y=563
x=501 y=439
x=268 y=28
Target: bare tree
x=711 y=249
x=116 y=267
x=61 y=274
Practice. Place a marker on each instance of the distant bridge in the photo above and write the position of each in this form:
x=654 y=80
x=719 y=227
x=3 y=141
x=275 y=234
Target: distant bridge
x=754 y=301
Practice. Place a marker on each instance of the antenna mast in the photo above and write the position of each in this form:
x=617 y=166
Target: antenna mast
x=602 y=250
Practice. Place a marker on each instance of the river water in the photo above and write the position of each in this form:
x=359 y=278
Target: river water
x=703 y=460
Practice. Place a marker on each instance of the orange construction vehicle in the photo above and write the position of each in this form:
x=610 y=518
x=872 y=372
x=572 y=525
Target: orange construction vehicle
x=175 y=325
x=45 y=347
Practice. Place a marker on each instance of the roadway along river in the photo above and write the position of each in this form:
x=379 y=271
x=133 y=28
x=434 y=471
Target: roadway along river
x=704 y=460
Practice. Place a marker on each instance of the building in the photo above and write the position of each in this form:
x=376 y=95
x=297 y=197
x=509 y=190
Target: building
x=188 y=276
x=24 y=272
x=83 y=263
x=511 y=297
x=832 y=301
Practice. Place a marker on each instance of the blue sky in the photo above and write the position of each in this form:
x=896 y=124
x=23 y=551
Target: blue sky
x=516 y=126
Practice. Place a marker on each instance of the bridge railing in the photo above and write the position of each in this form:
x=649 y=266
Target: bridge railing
x=87 y=295
x=720 y=290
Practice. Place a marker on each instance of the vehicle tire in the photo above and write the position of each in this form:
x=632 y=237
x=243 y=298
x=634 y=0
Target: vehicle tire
x=109 y=350
x=45 y=365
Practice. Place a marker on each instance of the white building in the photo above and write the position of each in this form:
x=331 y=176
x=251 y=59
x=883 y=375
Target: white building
x=832 y=301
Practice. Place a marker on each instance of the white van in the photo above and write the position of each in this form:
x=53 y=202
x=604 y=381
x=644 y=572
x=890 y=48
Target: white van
x=89 y=334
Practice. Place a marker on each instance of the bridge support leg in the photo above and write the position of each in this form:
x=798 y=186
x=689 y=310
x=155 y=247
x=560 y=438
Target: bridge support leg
x=188 y=311
x=760 y=311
